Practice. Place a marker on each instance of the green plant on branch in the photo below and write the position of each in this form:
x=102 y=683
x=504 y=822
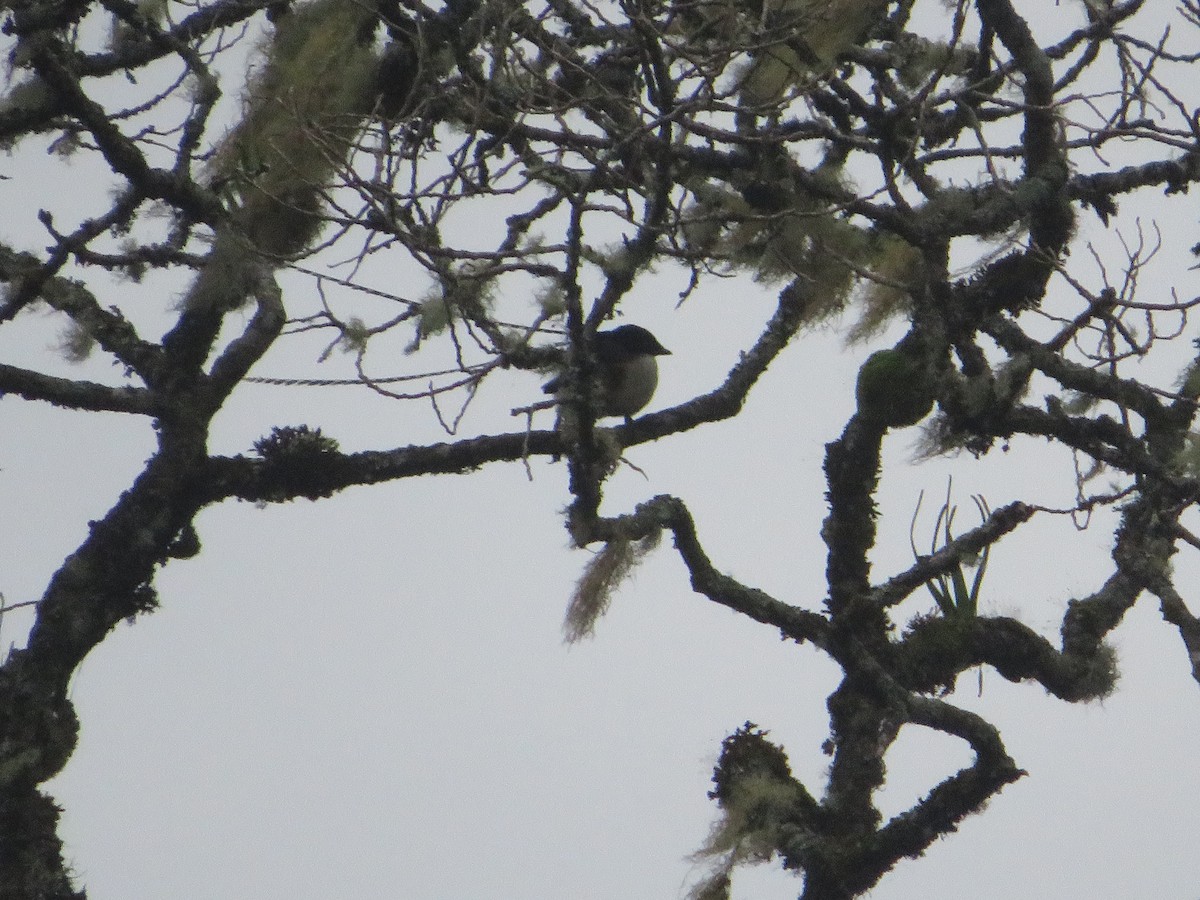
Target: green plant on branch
x=950 y=590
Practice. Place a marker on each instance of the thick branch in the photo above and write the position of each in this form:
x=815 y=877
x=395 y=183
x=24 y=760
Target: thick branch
x=75 y=394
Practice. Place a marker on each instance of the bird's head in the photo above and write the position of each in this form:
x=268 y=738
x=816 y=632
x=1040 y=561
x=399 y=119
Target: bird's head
x=628 y=341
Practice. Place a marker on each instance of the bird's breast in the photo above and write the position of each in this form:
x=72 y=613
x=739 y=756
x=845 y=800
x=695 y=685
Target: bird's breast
x=631 y=386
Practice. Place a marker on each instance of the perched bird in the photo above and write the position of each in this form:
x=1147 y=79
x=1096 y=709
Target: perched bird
x=628 y=370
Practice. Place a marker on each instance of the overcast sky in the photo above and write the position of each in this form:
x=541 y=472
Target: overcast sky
x=370 y=696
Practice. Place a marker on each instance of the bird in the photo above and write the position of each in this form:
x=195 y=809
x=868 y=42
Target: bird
x=626 y=357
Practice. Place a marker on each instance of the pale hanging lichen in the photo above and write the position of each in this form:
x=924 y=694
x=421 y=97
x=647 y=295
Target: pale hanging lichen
x=600 y=580
x=302 y=112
